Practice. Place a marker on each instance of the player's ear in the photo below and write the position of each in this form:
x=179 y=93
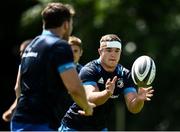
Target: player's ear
x=81 y=52
x=100 y=51
x=65 y=25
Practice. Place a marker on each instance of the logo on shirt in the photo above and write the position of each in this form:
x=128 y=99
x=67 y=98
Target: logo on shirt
x=30 y=54
x=114 y=96
x=101 y=80
x=120 y=83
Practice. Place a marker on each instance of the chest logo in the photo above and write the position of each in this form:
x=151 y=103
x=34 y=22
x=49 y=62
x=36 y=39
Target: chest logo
x=101 y=80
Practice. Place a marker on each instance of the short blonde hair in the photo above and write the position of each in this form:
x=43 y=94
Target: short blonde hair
x=75 y=41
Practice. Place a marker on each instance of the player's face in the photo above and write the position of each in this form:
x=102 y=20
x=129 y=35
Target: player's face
x=77 y=52
x=110 y=56
x=22 y=48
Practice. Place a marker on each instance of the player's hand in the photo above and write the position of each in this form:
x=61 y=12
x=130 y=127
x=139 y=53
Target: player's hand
x=7 y=115
x=145 y=93
x=88 y=111
x=110 y=85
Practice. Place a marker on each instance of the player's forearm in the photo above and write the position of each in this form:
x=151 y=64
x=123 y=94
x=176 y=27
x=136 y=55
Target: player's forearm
x=99 y=98
x=79 y=96
x=17 y=86
x=74 y=87
x=135 y=105
x=17 y=91
x=13 y=106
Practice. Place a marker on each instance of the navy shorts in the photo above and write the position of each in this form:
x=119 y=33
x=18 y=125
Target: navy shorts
x=64 y=128
x=17 y=126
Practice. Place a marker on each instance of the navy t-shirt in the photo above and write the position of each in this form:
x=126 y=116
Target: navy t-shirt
x=78 y=67
x=44 y=98
x=94 y=74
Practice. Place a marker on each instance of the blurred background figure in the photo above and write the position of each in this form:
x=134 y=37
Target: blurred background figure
x=76 y=45
x=23 y=46
x=8 y=113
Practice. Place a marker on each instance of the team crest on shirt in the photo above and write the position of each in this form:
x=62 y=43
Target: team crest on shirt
x=120 y=83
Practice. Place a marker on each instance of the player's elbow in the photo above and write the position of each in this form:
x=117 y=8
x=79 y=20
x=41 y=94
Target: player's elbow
x=135 y=111
x=16 y=88
x=134 y=107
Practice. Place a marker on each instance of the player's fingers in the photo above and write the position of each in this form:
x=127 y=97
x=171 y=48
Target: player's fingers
x=81 y=112
x=148 y=88
x=149 y=95
x=108 y=81
x=114 y=79
x=148 y=99
x=151 y=91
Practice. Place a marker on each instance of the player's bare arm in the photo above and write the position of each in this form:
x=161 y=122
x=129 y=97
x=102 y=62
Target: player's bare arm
x=76 y=90
x=135 y=101
x=17 y=86
x=100 y=97
x=8 y=113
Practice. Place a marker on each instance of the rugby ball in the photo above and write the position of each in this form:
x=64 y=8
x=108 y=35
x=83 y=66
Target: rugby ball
x=143 y=71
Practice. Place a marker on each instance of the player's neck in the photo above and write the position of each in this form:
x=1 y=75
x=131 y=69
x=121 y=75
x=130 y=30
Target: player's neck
x=107 y=68
x=56 y=31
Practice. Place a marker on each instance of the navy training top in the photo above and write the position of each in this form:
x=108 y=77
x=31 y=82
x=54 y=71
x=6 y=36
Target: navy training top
x=44 y=98
x=94 y=74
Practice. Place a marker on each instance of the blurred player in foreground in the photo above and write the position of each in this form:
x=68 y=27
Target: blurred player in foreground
x=48 y=74
x=76 y=46
x=104 y=80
